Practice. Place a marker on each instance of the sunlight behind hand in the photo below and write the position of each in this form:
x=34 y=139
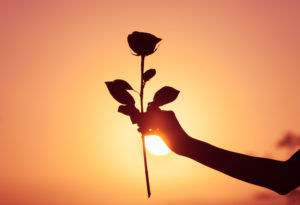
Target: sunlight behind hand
x=155 y=145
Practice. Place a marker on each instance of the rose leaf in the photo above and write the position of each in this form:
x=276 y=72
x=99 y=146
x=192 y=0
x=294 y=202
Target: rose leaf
x=120 y=94
x=149 y=74
x=123 y=84
x=124 y=109
x=131 y=111
x=164 y=96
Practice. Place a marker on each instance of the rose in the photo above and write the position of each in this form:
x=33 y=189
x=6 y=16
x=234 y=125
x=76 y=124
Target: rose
x=143 y=44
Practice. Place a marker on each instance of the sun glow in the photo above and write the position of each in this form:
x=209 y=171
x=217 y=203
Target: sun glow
x=156 y=145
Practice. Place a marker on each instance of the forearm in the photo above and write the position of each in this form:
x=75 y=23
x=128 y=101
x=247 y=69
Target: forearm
x=268 y=173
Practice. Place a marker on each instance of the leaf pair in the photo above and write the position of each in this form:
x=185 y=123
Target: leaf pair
x=165 y=95
x=118 y=89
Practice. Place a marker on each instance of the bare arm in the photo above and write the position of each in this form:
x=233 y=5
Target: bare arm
x=279 y=176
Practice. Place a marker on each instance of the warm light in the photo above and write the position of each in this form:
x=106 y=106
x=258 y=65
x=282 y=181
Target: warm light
x=156 y=145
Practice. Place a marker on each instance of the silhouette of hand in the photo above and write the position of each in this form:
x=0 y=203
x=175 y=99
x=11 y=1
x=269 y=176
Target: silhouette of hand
x=165 y=125
x=279 y=176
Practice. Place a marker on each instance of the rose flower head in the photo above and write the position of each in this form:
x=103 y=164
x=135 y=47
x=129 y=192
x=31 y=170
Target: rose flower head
x=143 y=44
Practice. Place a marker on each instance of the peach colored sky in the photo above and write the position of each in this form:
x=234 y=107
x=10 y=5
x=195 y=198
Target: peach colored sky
x=62 y=141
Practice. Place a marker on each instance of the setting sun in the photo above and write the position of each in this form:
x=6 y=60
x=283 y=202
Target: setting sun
x=156 y=145
x=65 y=139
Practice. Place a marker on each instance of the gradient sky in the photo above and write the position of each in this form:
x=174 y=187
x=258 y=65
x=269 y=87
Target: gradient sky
x=62 y=141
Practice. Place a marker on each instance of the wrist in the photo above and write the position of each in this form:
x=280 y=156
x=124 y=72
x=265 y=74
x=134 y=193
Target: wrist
x=185 y=145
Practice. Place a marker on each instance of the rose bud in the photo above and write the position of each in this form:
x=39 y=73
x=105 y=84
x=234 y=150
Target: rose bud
x=142 y=44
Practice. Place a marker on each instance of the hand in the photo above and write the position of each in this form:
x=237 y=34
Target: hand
x=165 y=125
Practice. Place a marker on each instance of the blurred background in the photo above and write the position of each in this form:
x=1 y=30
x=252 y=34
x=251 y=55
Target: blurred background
x=62 y=140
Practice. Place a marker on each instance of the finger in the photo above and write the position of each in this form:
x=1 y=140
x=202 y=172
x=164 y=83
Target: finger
x=148 y=120
x=155 y=119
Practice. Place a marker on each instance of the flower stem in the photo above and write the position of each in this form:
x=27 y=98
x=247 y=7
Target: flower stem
x=142 y=83
x=143 y=137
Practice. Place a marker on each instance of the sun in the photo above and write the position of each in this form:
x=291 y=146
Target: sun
x=156 y=145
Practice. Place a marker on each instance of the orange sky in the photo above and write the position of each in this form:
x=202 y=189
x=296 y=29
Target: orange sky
x=62 y=141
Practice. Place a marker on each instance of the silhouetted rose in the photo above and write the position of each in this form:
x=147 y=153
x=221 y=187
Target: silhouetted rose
x=143 y=44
